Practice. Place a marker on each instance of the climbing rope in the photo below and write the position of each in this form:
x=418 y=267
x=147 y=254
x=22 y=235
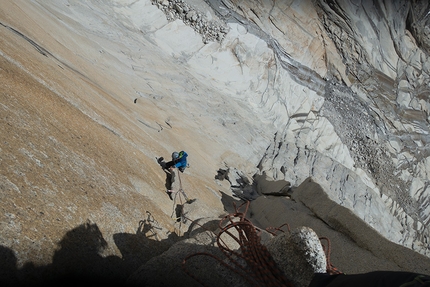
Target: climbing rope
x=178 y=209
x=181 y=190
x=181 y=197
x=327 y=250
x=253 y=262
x=268 y=229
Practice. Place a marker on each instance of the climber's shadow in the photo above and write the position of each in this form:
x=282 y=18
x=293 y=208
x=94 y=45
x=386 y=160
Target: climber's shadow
x=149 y=227
x=137 y=249
x=168 y=183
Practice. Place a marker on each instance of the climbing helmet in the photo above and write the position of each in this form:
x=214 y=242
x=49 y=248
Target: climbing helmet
x=175 y=155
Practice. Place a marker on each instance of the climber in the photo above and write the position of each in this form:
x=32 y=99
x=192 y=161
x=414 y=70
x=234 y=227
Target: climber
x=179 y=160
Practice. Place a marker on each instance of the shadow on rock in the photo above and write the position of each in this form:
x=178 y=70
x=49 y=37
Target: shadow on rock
x=8 y=267
x=78 y=261
x=229 y=202
x=168 y=183
x=137 y=249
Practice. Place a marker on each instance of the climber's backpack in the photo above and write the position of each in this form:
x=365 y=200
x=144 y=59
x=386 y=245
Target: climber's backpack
x=182 y=168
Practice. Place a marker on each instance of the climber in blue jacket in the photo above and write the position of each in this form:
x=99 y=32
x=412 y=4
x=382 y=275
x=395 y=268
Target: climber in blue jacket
x=179 y=160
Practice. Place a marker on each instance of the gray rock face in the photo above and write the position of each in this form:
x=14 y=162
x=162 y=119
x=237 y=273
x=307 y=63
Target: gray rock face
x=299 y=255
x=210 y=29
x=166 y=268
x=373 y=103
x=418 y=24
x=276 y=91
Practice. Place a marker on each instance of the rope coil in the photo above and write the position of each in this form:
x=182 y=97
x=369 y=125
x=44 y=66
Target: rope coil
x=252 y=261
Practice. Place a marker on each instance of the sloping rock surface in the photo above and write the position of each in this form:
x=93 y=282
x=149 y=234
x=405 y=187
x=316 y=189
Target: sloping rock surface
x=92 y=92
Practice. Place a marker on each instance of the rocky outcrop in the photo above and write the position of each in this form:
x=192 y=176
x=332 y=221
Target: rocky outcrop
x=201 y=21
x=299 y=255
x=418 y=23
x=367 y=113
x=302 y=227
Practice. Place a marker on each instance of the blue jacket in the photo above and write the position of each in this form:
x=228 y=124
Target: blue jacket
x=182 y=161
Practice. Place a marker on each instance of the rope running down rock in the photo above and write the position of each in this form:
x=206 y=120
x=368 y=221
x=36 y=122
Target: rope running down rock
x=259 y=269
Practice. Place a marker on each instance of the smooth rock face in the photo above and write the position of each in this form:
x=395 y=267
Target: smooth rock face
x=93 y=91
